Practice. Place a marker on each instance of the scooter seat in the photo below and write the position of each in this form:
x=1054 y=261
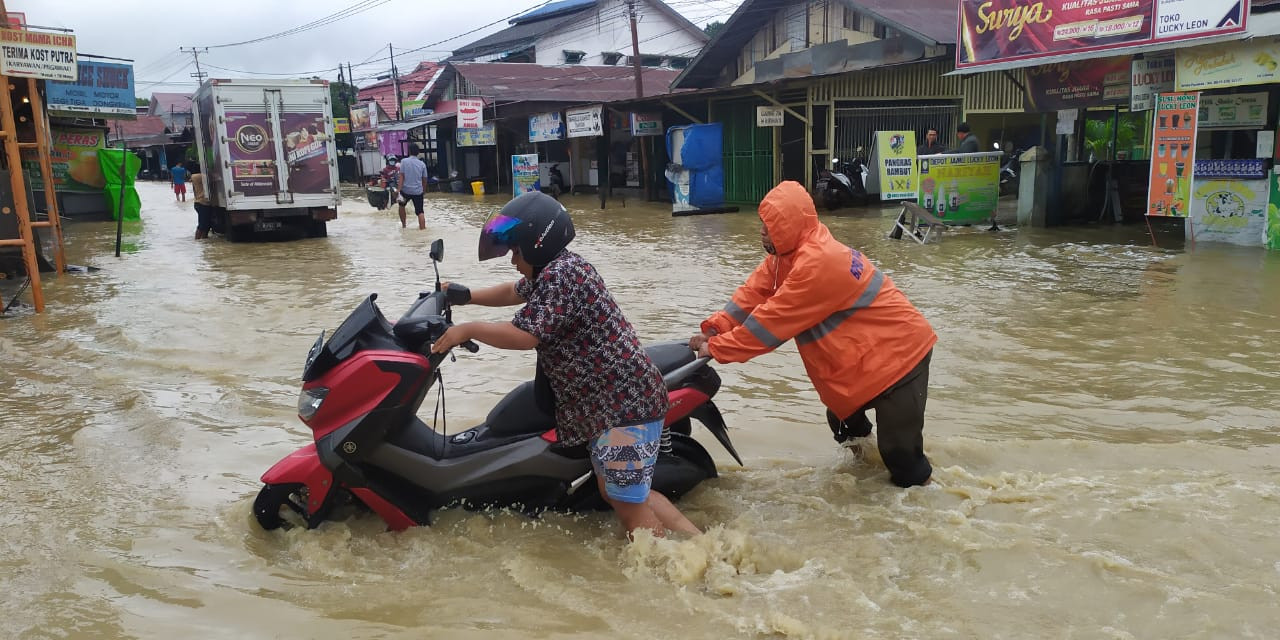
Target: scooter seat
x=518 y=414
x=669 y=356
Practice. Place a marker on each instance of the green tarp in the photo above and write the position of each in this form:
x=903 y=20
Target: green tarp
x=109 y=160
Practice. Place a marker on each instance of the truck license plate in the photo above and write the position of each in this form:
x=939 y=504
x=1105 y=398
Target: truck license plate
x=266 y=226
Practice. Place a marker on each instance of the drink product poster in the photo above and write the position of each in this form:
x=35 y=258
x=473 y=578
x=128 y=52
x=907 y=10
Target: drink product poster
x=1173 y=151
x=252 y=154
x=960 y=188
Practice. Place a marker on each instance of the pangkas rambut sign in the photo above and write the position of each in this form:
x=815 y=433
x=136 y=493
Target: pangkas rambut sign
x=994 y=31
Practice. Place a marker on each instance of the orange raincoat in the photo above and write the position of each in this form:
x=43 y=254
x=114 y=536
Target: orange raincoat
x=856 y=332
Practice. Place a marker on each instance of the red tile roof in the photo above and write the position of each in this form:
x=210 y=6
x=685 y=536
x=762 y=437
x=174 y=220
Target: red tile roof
x=383 y=92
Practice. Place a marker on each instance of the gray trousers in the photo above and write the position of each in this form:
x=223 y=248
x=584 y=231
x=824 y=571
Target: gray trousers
x=899 y=426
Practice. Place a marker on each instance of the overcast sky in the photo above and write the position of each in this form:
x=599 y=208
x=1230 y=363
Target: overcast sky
x=151 y=32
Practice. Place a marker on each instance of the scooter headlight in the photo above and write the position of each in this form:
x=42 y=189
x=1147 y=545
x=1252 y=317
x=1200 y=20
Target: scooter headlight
x=309 y=401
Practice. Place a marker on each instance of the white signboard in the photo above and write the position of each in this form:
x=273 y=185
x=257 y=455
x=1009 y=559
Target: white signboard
x=1182 y=19
x=470 y=113
x=1266 y=144
x=769 y=116
x=584 y=122
x=35 y=54
x=1151 y=75
x=1237 y=111
x=544 y=127
x=1067 y=121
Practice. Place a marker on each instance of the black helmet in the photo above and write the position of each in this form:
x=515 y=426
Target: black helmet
x=534 y=223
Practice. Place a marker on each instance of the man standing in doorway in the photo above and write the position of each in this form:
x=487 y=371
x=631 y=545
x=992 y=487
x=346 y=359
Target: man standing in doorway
x=413 y=182
x=969 y=142
x=931 y=144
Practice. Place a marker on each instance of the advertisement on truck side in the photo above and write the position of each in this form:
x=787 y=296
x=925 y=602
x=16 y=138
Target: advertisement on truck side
x=252 y=151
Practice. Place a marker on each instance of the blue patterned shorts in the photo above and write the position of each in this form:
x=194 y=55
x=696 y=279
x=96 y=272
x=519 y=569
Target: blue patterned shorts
x=625 y=457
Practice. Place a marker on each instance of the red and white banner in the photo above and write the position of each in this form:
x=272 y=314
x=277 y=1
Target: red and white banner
x=470 y=113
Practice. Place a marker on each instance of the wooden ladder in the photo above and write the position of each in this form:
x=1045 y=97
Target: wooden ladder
x=12 y=150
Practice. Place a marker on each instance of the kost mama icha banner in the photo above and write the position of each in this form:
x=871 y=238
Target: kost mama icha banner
x=994 y=31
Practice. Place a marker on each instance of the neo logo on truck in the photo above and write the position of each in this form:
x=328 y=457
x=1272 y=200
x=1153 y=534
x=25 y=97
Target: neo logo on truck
x=251 y=138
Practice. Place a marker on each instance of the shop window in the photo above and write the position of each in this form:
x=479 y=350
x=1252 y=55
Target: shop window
x=678 y=62
x=1111 y=136
x=611 y=57
x=574 y=57
x=819 y=124
x=884 y=32
x=852 y=20
x=1229 y=144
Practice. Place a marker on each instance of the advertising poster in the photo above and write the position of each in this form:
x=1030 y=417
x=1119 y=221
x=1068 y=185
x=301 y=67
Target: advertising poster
x=1273 y=213
x=1234 y=64
x=360 y=118
x=482 y=137
x=100 y=87
x=413 y=109
x=1089 y=83
x=646 y=124
x=545 y=127
x=897 y=153
x=524 y=173
x=74 y=155
x=252 y=154
x=584 y=122
x=1238 y=111
x=470 y=113
x=35 y=54
x=306 y=152
x=1232 y=211
x=341 y=125
x=1173 y=146
x=1151 y=75
x=993 y=31
x=961 y=188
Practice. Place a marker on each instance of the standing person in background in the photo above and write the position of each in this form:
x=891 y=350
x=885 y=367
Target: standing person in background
x=204 y=211
x=178 y=176
x=931 y=144
x=969 y=142
x=413 y=183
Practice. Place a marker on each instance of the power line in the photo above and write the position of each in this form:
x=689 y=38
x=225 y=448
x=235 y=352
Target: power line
x=342 y=14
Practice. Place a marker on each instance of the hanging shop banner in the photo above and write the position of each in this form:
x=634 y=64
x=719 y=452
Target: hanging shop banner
x=470 y=113
x=545 y=127
x=994 y=31
x=341 y=125
x=36 y=54
x=360 y=119
x=584 y=122
x=1273 y=213
x=1233 y=64
x=770 y=117
x=306 y=151
x=413 y=109
x=646 y=124
x=1173 y=145
x=100 y=87
x=960 y=188
x=1151 y=75
x=1232 y=211
x=1239 y=111
x=1089 y=83
x=896 y=151
x=482 y=137
x=524 y=173
x=74 y=156
x=251 y=151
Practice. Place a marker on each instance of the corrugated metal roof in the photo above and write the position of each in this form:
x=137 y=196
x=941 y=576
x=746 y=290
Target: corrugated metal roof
x=553 y=9
x=933 y=20
x=515 y=37
x=524 y=82
x=419 y=122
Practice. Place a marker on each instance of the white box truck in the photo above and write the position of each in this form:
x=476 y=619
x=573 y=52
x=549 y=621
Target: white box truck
x=267 y=153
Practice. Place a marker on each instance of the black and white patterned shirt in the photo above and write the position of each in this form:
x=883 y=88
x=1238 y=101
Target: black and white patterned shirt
x=601 y=376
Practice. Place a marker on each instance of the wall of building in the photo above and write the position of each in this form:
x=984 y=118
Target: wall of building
x=608 y=29
x=803 y=25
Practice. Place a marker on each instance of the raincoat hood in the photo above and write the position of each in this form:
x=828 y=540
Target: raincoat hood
x=789 y=215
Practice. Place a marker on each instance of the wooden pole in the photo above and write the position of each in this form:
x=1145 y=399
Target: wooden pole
x=16 y=183
x=46 y=170
x=635 y=64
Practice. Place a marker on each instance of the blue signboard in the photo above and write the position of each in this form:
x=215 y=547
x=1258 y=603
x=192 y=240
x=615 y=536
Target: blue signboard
x=102 y=87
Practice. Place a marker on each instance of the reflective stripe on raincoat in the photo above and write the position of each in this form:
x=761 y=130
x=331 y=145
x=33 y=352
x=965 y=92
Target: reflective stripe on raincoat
x=856 y=332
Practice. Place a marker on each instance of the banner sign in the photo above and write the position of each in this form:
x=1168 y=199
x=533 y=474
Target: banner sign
x=1151 y=75
x=470 y=113
x=646 y=124
x=413 y=109
x=1173 y=146
x=524 y=173
x=770 y=117
x=36 y=54
x=1234 y=64
x=1089 y=83
x=341 y=125
x=1238 y=111
x=100 y=87
x=545 y=127
x=584 y=122
x=1273 y=213
x=1232 y=211
x=482 y=137
x=74 y=155
x=992 y=31
x=252 y=153
x=960 y=188
x=896 y=151
x=306 y=151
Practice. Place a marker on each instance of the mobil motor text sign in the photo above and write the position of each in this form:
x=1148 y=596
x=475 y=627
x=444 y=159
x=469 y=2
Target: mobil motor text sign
x=992 y=31
x=100 y=87
x=35 y=54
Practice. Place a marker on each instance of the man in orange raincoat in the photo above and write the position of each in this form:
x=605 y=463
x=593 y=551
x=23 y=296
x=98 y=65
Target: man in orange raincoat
x=863 y=344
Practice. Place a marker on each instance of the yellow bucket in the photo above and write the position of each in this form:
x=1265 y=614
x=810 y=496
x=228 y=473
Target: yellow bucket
x=477 y=188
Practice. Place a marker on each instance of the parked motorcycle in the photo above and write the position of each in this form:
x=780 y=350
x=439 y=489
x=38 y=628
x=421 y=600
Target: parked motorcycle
x=556 y=180
x=360 y=396
x=845 y=185
x=1009 y=169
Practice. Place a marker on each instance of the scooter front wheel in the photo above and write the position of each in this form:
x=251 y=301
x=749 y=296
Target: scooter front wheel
x=281 y=505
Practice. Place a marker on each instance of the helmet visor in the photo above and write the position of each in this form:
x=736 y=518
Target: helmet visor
x=497 y=236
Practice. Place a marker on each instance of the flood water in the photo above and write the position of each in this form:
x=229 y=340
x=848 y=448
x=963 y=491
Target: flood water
x=1102 y=421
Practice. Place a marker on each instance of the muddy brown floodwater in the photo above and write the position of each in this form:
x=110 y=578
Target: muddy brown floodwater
x=1102 y=419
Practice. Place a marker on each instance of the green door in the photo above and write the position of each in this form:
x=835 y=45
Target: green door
x=748 y=152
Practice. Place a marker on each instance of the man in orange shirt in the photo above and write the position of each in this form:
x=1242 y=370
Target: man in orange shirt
x=863 y=344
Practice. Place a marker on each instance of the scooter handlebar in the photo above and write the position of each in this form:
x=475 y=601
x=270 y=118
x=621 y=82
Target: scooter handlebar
x=471 y=346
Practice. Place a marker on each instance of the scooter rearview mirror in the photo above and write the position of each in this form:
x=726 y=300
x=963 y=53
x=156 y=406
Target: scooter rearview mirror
x=437 y=250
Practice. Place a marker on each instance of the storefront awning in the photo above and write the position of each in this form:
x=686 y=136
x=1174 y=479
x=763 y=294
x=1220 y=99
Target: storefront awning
x=414 y=124
x=1259 y=25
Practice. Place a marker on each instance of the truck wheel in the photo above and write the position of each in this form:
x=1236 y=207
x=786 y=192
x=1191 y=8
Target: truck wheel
x=317 y=229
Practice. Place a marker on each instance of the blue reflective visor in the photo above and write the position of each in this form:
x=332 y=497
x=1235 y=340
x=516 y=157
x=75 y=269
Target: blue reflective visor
x=497 y=236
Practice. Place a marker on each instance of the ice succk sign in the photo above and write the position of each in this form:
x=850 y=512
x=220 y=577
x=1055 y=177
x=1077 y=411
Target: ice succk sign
x=35 y=54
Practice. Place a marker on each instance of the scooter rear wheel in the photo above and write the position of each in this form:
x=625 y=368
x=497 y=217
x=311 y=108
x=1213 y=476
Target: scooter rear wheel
x=273 y=499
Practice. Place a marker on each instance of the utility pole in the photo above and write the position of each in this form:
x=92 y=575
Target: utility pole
x=195 y=53
x=395 y=81
x=646 y=180
x=355 y=141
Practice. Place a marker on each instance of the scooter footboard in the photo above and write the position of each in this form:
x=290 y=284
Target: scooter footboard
x=303 y=467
